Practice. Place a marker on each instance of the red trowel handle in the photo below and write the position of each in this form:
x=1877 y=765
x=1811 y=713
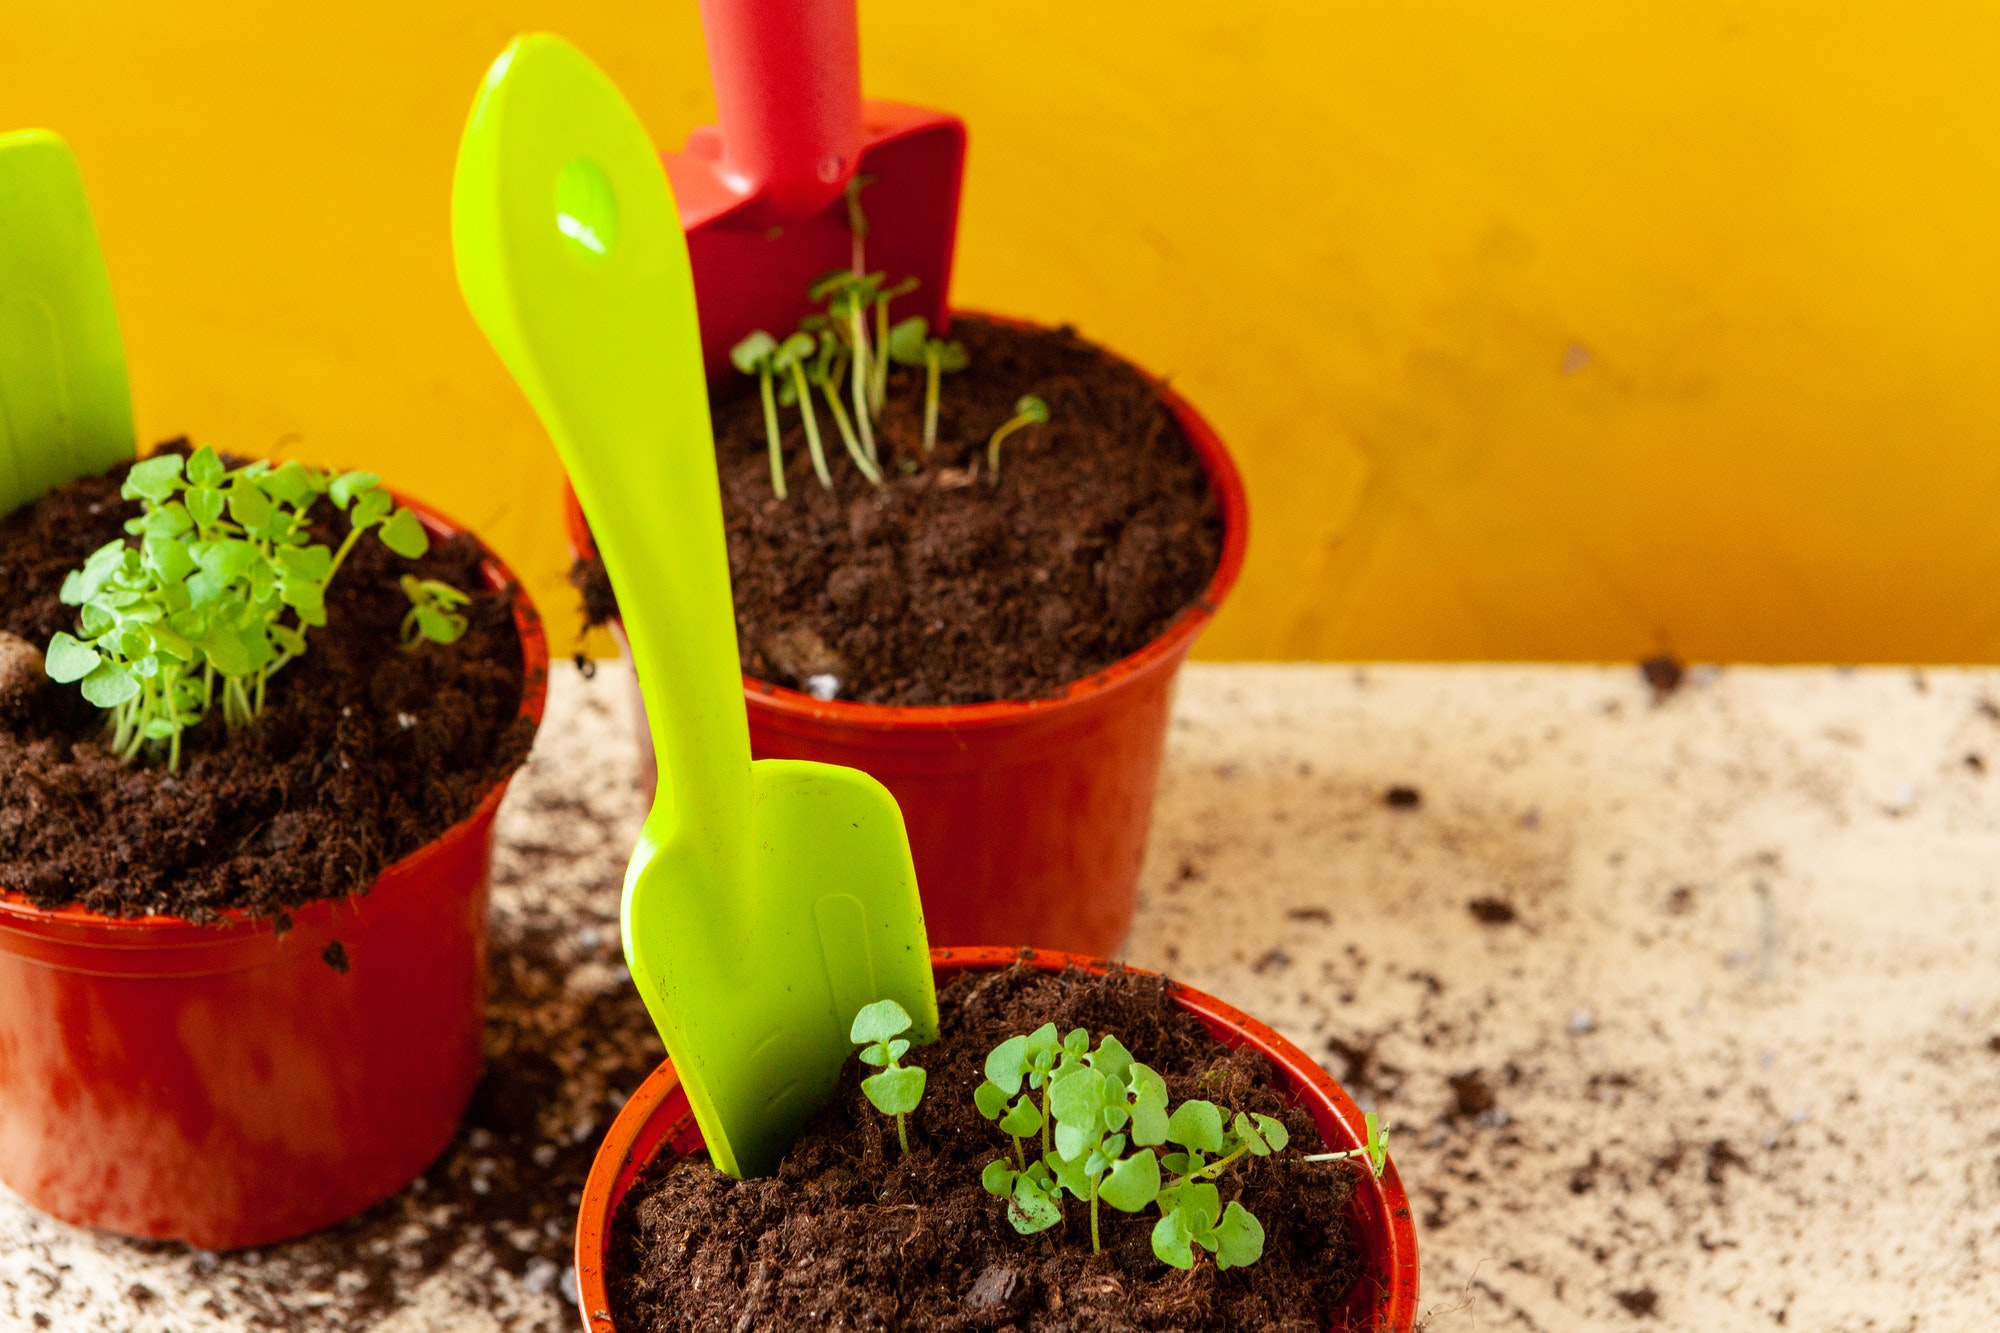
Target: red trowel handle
x=787 y=77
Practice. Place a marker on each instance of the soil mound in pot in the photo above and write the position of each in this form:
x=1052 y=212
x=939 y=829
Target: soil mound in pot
x=936 y=588
x=364 y=752
x=852 y=1234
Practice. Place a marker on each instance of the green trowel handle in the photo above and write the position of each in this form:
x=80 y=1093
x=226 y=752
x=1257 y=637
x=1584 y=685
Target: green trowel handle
x=570 y=254
x=65 y=406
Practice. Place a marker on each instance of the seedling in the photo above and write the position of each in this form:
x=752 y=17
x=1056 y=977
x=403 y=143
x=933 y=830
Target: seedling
x=910 y=344
x=847 y=295
x=1109 y=1115
x=752 y=356
x=878 y=1030
x=826 y=371
x=199 y=606
x=857 y=222
x=789 y=358
x=1375 y=1149
x=1029 y=411
x=433 y=612
x=878 y=383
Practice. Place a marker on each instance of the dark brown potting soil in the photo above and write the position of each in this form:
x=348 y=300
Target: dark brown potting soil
x=364 y=752
x=937 y=588
x=850 y=1234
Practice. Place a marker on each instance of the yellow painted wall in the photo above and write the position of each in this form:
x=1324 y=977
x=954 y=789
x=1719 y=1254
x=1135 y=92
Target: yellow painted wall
x=1544 y=330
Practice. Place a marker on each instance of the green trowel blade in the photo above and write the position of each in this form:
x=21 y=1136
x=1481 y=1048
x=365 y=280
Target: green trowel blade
x=766 y=902
x=65 y=406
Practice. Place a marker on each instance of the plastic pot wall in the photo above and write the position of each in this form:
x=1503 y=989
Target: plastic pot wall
x=1382 y=1300
x=224 y=1085
x=1028 y=820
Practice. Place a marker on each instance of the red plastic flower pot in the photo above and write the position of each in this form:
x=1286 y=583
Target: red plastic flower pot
x=1382 y=1300
x=1027 y=820
x=223 y=1084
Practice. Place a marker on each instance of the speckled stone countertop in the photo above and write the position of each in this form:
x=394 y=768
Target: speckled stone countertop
x=1684 y=1013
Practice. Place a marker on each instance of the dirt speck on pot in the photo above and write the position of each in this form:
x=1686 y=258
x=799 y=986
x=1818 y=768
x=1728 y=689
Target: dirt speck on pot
x=1492 y=911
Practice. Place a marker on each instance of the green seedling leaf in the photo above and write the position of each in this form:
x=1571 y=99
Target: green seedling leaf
x=1239 y=1238
x=248 y=505
x=287 y=485
x=1007 y=1063
x=68 y=660
x=1132 y=1183
x=311 y=564
x=109 y=685
x=348 y=485
x=1246 y=1134
x=1024 y=1120
x=895 y=1091
x=204 y=506
x=1033 y=1207
x=1196 y=1125
x=1111 y=1059
x=1033 y=409
x=998 y=1178
x=753 y=354
x=370 y=508
x=1150 y=1122
x=204 y=468
x=879 y=1022
x=906 y=340
x=990 y=1098
x=1274 y=1131
x=1173 y=1240
x=404 y=534
x=155 y=478
x=1076 y=1041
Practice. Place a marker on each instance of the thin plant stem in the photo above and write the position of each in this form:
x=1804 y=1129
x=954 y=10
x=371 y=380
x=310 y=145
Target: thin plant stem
x=878 y=380
x=1095 y=1246
x=858 y=329
x=807 y=415
x=902 y=1135
x=846 y=424
x=771 y=430
x=930 y=399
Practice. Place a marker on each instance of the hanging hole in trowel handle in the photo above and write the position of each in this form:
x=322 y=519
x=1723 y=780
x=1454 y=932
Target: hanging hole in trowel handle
x=587 y=208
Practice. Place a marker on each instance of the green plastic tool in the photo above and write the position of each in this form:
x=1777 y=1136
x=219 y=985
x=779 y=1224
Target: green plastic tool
x=766 y=902
x=65 y=406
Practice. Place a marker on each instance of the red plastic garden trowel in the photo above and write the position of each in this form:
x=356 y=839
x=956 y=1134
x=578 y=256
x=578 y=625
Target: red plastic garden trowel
x=763 y=193
x=766 y=902
x=65 y=406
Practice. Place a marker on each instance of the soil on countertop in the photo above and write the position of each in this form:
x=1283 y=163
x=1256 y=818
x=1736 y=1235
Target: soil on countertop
x=364 y=752
x=937 y=588
x=850 y=1233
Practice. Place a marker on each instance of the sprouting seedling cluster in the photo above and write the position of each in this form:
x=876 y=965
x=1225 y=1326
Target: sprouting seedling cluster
x=216 y=596
x=895 y=1091
x=1110 y=1120
x=846 y=349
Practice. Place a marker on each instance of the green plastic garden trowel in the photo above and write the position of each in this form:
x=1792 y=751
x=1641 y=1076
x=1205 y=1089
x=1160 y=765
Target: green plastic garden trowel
x=65 y=406
x=766 y=902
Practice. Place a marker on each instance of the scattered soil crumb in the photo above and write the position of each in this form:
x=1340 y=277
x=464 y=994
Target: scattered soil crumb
x=1664 y=673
